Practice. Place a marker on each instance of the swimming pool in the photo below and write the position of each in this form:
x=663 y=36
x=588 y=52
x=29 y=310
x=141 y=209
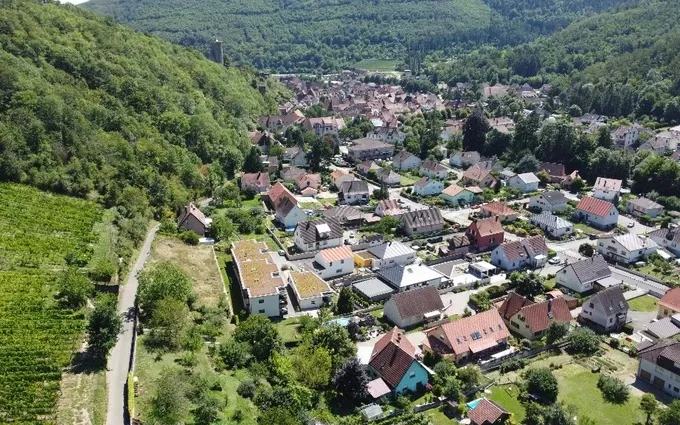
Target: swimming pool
x=472 y=404
x=342 y=321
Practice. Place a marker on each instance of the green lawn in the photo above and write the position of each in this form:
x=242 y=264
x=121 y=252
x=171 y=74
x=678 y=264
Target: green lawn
x=406 y=181
x=506 y=396
x=437 y=417
x=289 y=329
x=643 y=303
x=586 y=229
x=578 y=387
x=328 y=201
x=255 y=202
x=376 y=64
x=310 y=205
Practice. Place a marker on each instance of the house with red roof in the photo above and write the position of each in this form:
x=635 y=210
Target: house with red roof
x=607 y=189
x=669 y=304
x=193 y=220
x=515 y=255
x=393 y=360
x=485 y=233
x=531 y=320
x=478 y=176
x=487 y=412
x=499 y=209
x=307 y=181
x=476 y=336
x=333 y=262
x=275 y=195
x=256 y=182
x=597 y=212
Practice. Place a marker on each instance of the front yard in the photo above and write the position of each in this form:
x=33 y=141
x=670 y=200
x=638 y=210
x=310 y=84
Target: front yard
x=643 y=303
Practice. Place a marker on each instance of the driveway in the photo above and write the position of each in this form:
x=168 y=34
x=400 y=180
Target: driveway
x=120 y=357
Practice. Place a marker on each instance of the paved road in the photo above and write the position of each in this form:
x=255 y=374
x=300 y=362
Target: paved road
x=119 y=359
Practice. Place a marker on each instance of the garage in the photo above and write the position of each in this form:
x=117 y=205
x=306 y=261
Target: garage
x=645 y=376
x=659 y=383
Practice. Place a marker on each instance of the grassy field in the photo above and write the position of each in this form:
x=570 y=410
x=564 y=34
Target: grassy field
x=643 y=303
x=406 y=181
x=311 y=205
x=197 y=261
x=379 y=65
x=250 y=203
x=506 y=396
x=586 y=229
x=289 y=329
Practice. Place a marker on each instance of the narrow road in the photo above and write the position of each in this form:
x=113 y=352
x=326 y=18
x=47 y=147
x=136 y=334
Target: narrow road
x=119 y=359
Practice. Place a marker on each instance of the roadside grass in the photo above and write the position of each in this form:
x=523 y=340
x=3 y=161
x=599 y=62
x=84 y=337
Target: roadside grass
x=643 y=303
x=506 y=396
x=196 y=261
x=376 y=64
x=83 y=398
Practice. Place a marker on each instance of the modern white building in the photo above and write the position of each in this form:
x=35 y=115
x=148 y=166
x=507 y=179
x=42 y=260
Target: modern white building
x=525 y=182
x=550 y=200
x=334 y=262
x=390 y=254
x=626 y=248
x=259 y=277
x=310 y=290
x=580 y=276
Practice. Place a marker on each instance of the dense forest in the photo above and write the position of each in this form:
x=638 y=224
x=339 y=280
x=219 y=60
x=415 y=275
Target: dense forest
x=324 y=35
x=90 y=108
x=617 y=64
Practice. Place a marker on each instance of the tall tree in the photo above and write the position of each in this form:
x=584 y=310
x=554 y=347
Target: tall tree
x=252 y=162
x=260 y=333
x=169 y=403
x=648 y=405
x=163 y=280
x=541 y=382
x=528 y=164
x=345 y=303
x=474 y=131
x=526 y=134
x=337 y=341
x=351 y=381
x=671 y=415
x=103 y=328
x=320 y=152
x=74 y=288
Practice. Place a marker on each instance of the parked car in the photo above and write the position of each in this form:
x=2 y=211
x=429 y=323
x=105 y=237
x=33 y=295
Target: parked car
x=555 y=260
x=631 y=224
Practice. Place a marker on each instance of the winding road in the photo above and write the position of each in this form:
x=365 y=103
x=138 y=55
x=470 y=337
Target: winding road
x=120 y=358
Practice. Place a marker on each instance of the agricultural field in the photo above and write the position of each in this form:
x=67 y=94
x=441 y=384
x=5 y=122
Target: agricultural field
x=37 y=336
x=378 y=65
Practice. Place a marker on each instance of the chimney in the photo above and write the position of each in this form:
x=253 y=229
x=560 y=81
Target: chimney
x=496 y=218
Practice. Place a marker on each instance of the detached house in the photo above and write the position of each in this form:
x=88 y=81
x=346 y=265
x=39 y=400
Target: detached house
x=394 y=362
x=354 y=192
x=551 y=200
x=464 y=159
x=488 y=412
x=388 y=177
x=427 y=186
x=193 y=220
x=318 y=234
x=607 y=189
x=291 y=174
x=551 y=224
x=668 y=238
x=410 y=277
x=626 y=136
x=422 y=221
x=500 y=210
x=405 y=161
x=364 y=149
x=659 y=366
x=458 y=195
x=367 y=166
x=296 y=156
x=388 y=207
x=580 y=276
x=308 y=181
x=640 y=207
x=478 y=176
x=528 y=252
x=607 y=310
x=333 y=262
x=626 y=248
x=669 y=305
x=525 y=182
x=289 y=213
x=485 y=233
x=433 y=169
x=531 y=320
x=391 y=253
x=597 y=213
x=476 y=336
x=310 y=291
x=324 y=125
x=411 y=308
x=339 y=176
x=256 y=182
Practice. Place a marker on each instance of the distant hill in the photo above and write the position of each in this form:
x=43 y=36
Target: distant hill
x=88 y=107
x=311 y=35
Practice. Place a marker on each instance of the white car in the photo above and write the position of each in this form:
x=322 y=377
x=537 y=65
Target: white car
x=555 y=260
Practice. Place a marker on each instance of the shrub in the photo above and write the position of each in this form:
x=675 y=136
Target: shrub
x=102 y=271
x=189 y=238
x=584 y=341
x=246 y=389
x=613 y=389
x=512 y=365
x=542 y=383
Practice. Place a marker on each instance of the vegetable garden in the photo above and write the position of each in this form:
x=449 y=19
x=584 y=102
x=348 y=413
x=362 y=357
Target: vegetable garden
x=37 y=336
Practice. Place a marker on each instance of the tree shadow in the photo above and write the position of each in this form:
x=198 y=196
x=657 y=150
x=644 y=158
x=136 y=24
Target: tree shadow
x=84 y=363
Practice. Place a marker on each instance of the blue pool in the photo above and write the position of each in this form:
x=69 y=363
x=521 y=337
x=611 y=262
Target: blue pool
x=342 y=321
x=472 y=404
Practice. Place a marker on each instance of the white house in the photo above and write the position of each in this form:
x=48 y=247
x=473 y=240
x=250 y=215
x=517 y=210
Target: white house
x=409 y=277
x=528 y=252
x=550 y=200
x=391 y=253
x=581 y=275
x=388 y=177
x=297 y=157
x=318 y=234
x=640 y=207
x=626 y=248
x=433 y=169
x=597 y=213
x=426 y=186
x=464 y=159
x=669 y=239
x=457 y=195
x=553 y=225
x=289 y=214
x=626 y=136
x=607 y=310
x=259 y=277
x=411 y=308
x=334 y=262
x=388 y=207
x=659 y=366
x=354 y=192
x=607 y=189
x=310 y=290
x=405 y=161
x=339 y=176
x=526 y=182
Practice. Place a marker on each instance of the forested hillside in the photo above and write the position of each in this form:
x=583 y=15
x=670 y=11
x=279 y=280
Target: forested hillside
x=89 y=107
x=312 y=35
x=614 y=63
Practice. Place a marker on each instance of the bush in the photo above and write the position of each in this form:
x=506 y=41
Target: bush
x=189 y=238
x=246 y=389
x=542 y=383
x=512 y=365
x=102 y=271
x=584 y=341
x=613 y=389
x=628 y=329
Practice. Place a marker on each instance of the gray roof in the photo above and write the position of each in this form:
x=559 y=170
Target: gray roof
x=405 y=276
x=664 y=328
x=668 y=234
x=373 y=288
x=612 y=300
x=591 y=269
x=528 y=178
x=344 y=213
x=549 y=219
x=308 y=229
x=418 y=302
x=635 y=242
x=391 y=249
x=354 y=187
x=421 y=218
x=554 y=197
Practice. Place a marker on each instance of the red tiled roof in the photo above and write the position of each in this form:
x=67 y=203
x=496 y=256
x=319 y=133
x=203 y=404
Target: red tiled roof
x=486 y=413
x=453 y=190
x=487 y=226
x=607 y=184
x=277 y=193
x=512 y=305
x=336 y=254
x=498 y=208
x=487 y=325
x=392 y=356
x=192 y=210
x=251 y=180
x=539 y=316
x=553 y=169
x=475 y=173
x=595 y=206
x=671 y=299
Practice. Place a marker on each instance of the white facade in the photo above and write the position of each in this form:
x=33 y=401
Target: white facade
x=299 y=160
x=462 y=159
x=432 y=187
x=334 y=268
x=408 y=163
x=390 y=254
x=594 y=311
x=605 y=194
x=290 y=220
x=555 y=227
x=440 y=174
x=527 y=182
x=267 y=305
x=539 y=202
x=313 y=246
x=660 y=377
x=626 y=248
x=609 y=220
